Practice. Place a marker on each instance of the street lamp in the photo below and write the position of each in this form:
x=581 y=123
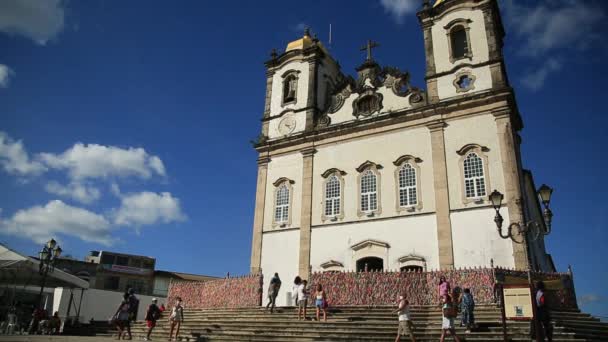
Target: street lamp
x=523 y=228
x=48 y=255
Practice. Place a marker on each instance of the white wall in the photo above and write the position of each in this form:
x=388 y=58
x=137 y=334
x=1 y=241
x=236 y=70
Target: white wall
x=476 y=240
x=289 y=166
x=405 y=235
x=96 y=304
x=483 y=81
x=280 y=252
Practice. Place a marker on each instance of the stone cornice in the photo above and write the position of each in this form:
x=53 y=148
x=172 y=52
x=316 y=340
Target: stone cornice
x=418 y=115
x=263 y=160
x=282 y=180
x=438 y=125
x=308 y=152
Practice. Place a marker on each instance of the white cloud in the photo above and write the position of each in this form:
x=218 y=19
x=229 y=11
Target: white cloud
x=41 y=223
x=547 y=26
x=77 y=191
x=590 y=298
x=146 y=208
x=14 y=158
x=399 y=8
x=535 y=79
x=5 y=74
x=39 y=20
x=99 y=161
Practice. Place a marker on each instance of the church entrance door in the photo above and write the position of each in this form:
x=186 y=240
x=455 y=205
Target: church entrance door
x=370 y=264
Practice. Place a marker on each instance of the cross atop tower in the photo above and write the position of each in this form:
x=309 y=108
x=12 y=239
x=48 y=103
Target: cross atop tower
x=370 y=45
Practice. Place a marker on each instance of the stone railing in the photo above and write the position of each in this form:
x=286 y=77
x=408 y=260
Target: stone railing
x=233 y=292
x=384 y=288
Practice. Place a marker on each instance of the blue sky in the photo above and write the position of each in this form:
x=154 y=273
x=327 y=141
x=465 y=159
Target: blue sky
x=126 y=125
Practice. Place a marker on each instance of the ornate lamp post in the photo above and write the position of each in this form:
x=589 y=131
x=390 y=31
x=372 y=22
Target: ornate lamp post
x=48 y=255
x=523 y=229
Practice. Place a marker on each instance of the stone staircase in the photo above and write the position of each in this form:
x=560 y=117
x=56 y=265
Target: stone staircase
x=360 y=324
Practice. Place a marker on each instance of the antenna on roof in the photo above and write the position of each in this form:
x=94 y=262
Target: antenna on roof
x=330 y=35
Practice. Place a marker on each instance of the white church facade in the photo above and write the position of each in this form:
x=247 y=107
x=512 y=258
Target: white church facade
x=372 y=173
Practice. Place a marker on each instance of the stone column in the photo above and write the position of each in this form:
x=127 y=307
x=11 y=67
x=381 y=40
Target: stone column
x=306 y=212
x=511 y=174
x=258 y=218
x=442 y=196
x=431 y=83
x=311 y=103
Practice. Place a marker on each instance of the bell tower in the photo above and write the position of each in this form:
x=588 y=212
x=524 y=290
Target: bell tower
x=463 y=41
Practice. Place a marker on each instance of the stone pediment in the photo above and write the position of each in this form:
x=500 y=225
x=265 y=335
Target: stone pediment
x=369 y=243
x=331 y=264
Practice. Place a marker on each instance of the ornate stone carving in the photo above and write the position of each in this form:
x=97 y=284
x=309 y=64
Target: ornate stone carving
x=367 y=103
x=324 y=121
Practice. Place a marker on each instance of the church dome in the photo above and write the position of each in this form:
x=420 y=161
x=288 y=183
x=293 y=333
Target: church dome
x=303 y=43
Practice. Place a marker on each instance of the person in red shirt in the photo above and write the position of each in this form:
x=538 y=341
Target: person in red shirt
x=542 y=312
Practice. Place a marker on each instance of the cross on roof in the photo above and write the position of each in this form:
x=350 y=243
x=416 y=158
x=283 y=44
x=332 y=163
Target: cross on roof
x=370 y=45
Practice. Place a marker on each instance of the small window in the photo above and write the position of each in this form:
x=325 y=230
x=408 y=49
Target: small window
x=281 y=213
x=111 y=283
x=332 y=197
x=107 y=259
x=407 y=186
x=411 y=268
x=474 y=180
x=460 y=45
x=369 y=195
x=122 y=261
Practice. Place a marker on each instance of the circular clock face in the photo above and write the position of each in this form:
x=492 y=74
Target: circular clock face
x=287 y=125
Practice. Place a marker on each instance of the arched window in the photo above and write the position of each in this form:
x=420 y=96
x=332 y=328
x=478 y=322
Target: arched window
x=332 y=197
x=369 y=194
x=370 y=264
x=290 y=87
x=281 y=211
x=474 y=180
x=411 y=268
x=407 y=186
x=459 y=43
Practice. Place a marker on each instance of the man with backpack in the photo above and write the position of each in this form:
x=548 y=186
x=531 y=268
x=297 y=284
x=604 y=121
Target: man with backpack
x=152 y=315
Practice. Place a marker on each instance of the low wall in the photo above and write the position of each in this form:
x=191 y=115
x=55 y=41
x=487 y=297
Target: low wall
x=235 y=292
x=384 y=288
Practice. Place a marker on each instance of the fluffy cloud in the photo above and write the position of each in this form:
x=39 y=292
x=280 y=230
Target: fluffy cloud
x=14 y=158
x=5 y=73
x=399 y=8
x=39 y=20
x=554 y=25
x=590 y=298
x=535 y=79
x=39 y=223
x=99 y=161
x=145 y=208
x=77 y=191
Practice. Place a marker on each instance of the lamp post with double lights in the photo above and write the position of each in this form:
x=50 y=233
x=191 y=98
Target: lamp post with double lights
x=48 y=255
x=525 y=229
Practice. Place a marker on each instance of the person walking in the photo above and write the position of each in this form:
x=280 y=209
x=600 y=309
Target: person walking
x=133 y=305
x=273 y=291
x=121 y=319
x=406 y=327
x=302 y=299
x=152 y=315
x=294 y=291
x=467 y=306
x=176 y=318
x=443 y=287
x=321 y=303
x=448 y=312
x=542 y=313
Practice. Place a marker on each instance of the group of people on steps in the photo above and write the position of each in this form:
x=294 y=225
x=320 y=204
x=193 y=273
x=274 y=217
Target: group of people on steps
x=127 y=313
x=452 y=302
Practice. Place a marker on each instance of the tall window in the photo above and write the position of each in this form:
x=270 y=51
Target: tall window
x=290 y=86
x=407 y=186
x=474 y=180
x=460 y=46
x=369 y=194
x=332 y=197
x=281 y=211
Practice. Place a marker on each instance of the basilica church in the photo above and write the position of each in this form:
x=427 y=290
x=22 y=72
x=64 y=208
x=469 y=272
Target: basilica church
x=370 y=172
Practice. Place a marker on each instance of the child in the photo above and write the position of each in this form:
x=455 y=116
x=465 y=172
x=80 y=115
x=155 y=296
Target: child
x=176 y=318
x=449 y=312
x=467 y=305
x=321 y=303
x=406 y=327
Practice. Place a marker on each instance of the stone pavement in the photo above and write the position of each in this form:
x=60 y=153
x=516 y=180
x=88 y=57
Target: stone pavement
x=41 y=338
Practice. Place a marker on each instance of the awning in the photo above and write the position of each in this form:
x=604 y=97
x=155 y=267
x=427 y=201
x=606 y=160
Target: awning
x=20 y=270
